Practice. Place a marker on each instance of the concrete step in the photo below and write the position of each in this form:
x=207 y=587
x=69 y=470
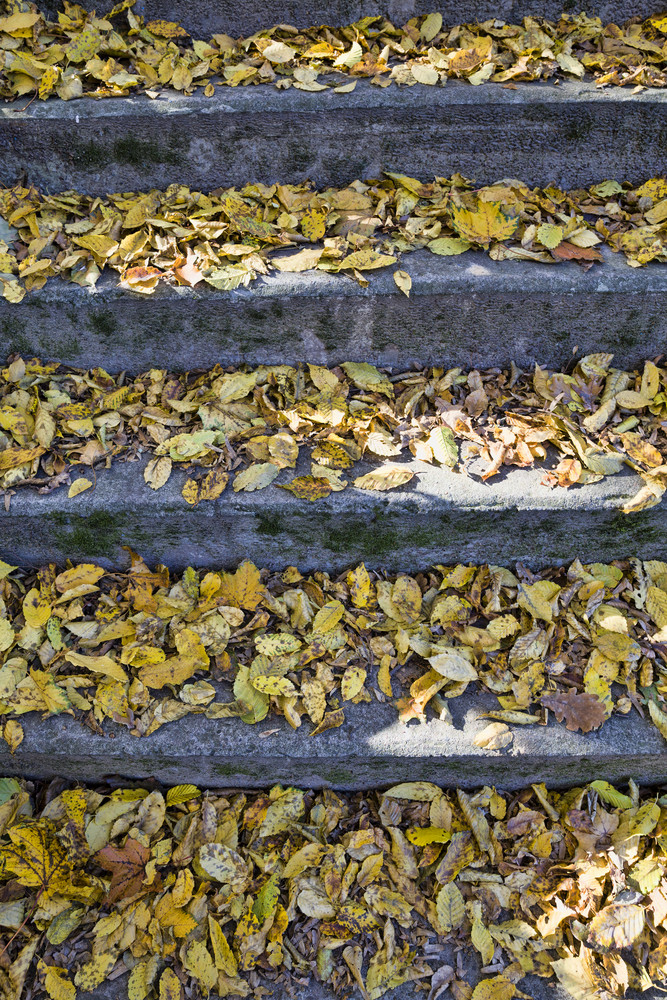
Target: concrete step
x=465 y=310
x=439 y=517
x=205 y=17
x=372 y=749
x=541 y=133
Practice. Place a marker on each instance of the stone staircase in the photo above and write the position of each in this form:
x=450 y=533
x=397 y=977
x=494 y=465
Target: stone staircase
x=464 y=311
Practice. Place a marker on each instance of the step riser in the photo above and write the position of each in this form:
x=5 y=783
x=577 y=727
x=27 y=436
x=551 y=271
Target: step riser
x=205 y=17
x=355 y=774
x=465 y=311
x=267 y=136
x=394 y=535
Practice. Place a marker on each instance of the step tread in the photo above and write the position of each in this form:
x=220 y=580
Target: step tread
x=432 y=489
x=371 y=749
x=459 y=312
x=267 y=98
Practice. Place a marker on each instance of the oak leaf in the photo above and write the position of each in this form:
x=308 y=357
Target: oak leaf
x=580 y=711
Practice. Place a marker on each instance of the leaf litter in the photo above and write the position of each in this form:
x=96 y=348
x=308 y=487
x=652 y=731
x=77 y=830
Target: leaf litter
x=193 y=891
x=230 y=237
x=244 y=426
x=121 y=53
x=140 y=648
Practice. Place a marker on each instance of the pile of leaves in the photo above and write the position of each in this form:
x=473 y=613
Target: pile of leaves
x=120 y=53
x=142 y=648
x=228 y=238
x=230 y=892
x=252 y=423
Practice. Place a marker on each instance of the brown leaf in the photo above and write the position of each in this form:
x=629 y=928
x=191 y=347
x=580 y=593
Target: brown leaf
x=581 y=711
x=568 y=251
x=127 y=866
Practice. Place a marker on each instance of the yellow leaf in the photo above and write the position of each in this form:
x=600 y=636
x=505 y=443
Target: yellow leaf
x=182 y=793
x=328 y=617
x=36 y=608
x=6 y=635
x=388 y=477
x=170 y=986
x=157 y=472
x=494 y=989
x=359 y=583
x=94 y=972
x=274 y=685
x=224 y=865
x=167 y=29
x=352 y=682
x=242 y=589
x=313 y=223
x=416 y=791
x=12 y=734
x=420 y=836
x=448 y=246
x=659 y=718
x=403 y=280
x=536 y=598
x=79 y=486
x=366 y=259
x=450 y=907
x=629 y=400
x=314 y=699
x=495 y=736
x=431 y=26
x=98 y=664
x=488 y=222
x=656 y=605
x=198 y=961
x=309 y=487
x=222 y=954
x=210 y=487
x=482 y=940
x=302 y=260
x=58 y=984
x=255 y=477
x=550 y=236
x=279 y=52
x=454 y=664
x=100 y=246
x=141 y=978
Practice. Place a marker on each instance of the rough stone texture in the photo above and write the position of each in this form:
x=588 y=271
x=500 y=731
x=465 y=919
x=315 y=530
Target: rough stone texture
x=439 y=517
x=370 y=750
x=205 y=17
x=541 y=133
x=466 y=310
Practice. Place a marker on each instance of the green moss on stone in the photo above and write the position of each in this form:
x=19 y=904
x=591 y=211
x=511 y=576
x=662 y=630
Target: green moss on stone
x=96 y=535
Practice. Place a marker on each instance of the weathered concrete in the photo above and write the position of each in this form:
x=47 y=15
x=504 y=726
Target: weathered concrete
x=466 y=310
x=439 y=517
x=370 y=750
x=205 y=17
x=541 y=133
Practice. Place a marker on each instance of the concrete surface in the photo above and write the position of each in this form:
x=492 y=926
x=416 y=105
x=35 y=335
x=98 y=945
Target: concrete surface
x=370 y=750
x=205 y=17
x=466 y=310
x=542 y=133
x=439 y=517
